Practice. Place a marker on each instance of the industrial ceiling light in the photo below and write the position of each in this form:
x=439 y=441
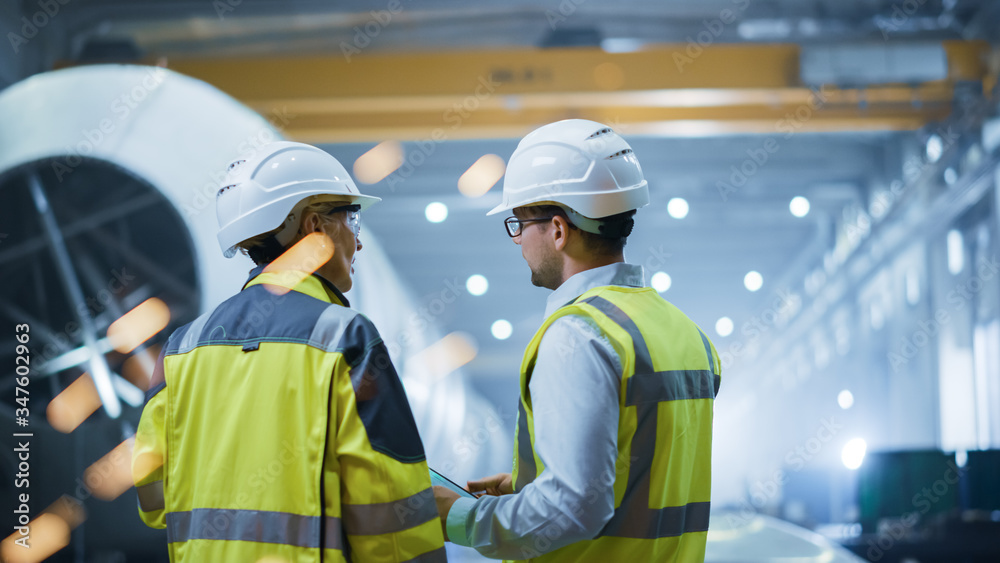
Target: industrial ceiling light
x=660 y=281
x=436 y=212
x=501 y=329
x=753 y=280
x=956 y=251
x=845 y=399
x=724 y=326
x=935 y=148
x=477 y=284
x=677 y=207
x=799 y=206
x=853 y=454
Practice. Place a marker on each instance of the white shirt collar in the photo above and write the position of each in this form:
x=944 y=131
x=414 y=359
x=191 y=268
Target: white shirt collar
x=619 y=273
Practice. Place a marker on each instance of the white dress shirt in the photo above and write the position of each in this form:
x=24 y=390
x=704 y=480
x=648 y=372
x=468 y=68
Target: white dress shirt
x=574 y=395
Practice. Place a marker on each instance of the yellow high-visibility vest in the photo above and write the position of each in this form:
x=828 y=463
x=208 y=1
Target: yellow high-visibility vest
x=276 y=428
x=662 y=482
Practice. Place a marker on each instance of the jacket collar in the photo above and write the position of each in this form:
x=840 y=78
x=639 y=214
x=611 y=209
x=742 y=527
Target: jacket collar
x=312 y=285
x=621 y=273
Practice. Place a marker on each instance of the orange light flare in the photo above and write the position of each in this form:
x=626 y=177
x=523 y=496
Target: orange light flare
x=38 y=539
x=481 y=176
x=383 y=159
x=73 y=405
x=111 y=475
x=445 y=356
x=138 y=325
x=138 y=368
x=300 y=261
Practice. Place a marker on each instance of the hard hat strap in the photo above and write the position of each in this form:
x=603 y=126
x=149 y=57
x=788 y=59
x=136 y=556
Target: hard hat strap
x=613 y=229
x=581 y=222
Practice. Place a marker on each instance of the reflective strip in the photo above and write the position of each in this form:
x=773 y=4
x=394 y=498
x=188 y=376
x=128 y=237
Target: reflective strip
x=708 y=351
x=151 y=496
x=192 y=335
x=436 y=556
x=652 y=523
x=716 y=380
x=389 y=517
x=634 y=518
x=526 y=468
x=334 y=536
x=676 y=385
x=643 y=361
x=329 y=328
x=252 y=525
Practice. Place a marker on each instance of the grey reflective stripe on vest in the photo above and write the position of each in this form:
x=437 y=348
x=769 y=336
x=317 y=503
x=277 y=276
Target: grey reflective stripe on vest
x=436 y=556
x=716 y=380
x=151 y=496
x=676 y=385
x=329 y=328
x=634 y=518
x=252 y=525
x=526 y=468
x=193 y=334
x=388 y=517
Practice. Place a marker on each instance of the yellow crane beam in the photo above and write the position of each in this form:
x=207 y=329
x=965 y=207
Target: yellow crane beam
x=667 y=89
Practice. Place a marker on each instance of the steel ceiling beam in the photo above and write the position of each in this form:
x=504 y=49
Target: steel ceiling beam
x=669 y=89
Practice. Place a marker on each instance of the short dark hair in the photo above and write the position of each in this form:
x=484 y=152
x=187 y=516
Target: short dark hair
x=601 y=245
x=266 y=252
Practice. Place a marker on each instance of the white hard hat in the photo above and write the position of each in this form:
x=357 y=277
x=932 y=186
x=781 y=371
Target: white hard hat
x=260 y=193
x=580 y=164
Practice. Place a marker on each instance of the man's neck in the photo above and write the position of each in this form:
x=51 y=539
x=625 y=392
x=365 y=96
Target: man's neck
x=573 y=267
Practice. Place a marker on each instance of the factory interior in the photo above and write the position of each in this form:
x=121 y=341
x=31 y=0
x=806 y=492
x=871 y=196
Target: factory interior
x=824 y=186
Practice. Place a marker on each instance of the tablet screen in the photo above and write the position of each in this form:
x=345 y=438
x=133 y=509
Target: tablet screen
x=438 y=479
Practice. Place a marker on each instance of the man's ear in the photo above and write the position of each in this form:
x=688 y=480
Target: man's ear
x=559 y=230
x=310 y=223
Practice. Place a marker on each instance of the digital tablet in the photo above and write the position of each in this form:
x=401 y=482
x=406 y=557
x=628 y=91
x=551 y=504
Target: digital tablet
x=438 y=479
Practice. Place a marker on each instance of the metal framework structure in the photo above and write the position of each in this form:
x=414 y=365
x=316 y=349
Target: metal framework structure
x=668 y=89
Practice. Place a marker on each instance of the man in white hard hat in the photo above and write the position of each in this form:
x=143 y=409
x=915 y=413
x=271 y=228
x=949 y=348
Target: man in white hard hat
x=613 y=446
x=276 y=427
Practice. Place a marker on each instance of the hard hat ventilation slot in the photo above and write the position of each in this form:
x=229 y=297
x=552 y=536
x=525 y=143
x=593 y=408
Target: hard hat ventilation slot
x=234 y=164
x=622 y=152
x=600 y=132
x=224 y=188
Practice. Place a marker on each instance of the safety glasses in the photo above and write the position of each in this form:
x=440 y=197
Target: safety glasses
x=514 y=225
x=353 y=217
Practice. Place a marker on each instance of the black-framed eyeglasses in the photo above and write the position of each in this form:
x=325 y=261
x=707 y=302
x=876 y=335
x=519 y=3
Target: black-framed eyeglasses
x=353 y=216
x=514 y=225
